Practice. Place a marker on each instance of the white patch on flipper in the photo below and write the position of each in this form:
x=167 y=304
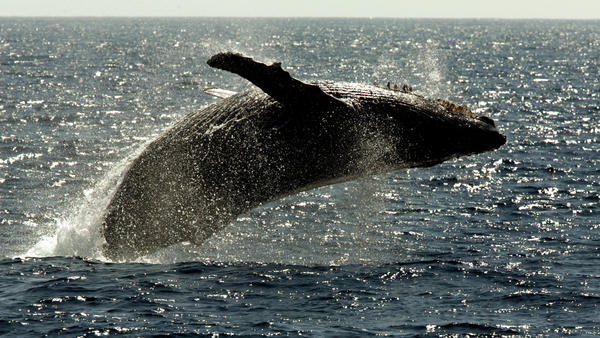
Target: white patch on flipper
x=218 y=92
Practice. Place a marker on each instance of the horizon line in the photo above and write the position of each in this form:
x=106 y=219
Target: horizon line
x=287 y=17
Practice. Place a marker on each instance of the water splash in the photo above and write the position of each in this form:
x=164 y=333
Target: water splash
x=420 y=64
x=78 y=232
x=431 y=66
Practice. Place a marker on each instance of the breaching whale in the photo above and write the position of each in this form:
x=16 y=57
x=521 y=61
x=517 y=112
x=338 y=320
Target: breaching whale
x=278 y=138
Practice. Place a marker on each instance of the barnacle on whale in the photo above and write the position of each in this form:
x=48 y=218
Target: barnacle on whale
x=444 y=103
x=455 y=107
x=404 y=89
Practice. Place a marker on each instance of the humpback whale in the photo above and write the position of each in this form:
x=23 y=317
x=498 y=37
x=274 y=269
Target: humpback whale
x=281 y=137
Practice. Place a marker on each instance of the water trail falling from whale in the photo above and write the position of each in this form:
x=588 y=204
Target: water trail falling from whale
x=77 y=231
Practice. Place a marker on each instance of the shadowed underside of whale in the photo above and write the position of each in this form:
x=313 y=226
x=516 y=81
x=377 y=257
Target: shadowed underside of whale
x=280 y=138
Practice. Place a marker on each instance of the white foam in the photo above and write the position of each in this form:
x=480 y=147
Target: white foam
x=77 y=232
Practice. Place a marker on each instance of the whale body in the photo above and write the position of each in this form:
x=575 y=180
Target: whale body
x=281 y=137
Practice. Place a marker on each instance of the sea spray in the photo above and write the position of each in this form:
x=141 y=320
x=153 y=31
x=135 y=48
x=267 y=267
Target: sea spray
x=78 y=232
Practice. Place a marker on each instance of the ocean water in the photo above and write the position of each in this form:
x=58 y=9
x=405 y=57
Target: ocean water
x=505 y=243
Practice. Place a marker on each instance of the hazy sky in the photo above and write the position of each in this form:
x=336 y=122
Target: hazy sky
x=570 y=9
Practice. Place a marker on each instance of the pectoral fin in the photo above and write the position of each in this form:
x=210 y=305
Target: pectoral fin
x=218 y=92
x=276 y=82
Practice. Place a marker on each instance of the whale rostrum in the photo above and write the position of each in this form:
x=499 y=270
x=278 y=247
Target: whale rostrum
x=278 y=138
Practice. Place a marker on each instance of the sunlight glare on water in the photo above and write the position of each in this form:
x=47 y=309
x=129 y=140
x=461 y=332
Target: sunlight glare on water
x=497 y=244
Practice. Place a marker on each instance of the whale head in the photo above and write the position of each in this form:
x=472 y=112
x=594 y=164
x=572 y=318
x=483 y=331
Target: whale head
x=392 y=129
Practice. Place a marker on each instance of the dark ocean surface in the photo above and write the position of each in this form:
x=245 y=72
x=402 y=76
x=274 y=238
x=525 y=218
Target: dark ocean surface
x=502 y=243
